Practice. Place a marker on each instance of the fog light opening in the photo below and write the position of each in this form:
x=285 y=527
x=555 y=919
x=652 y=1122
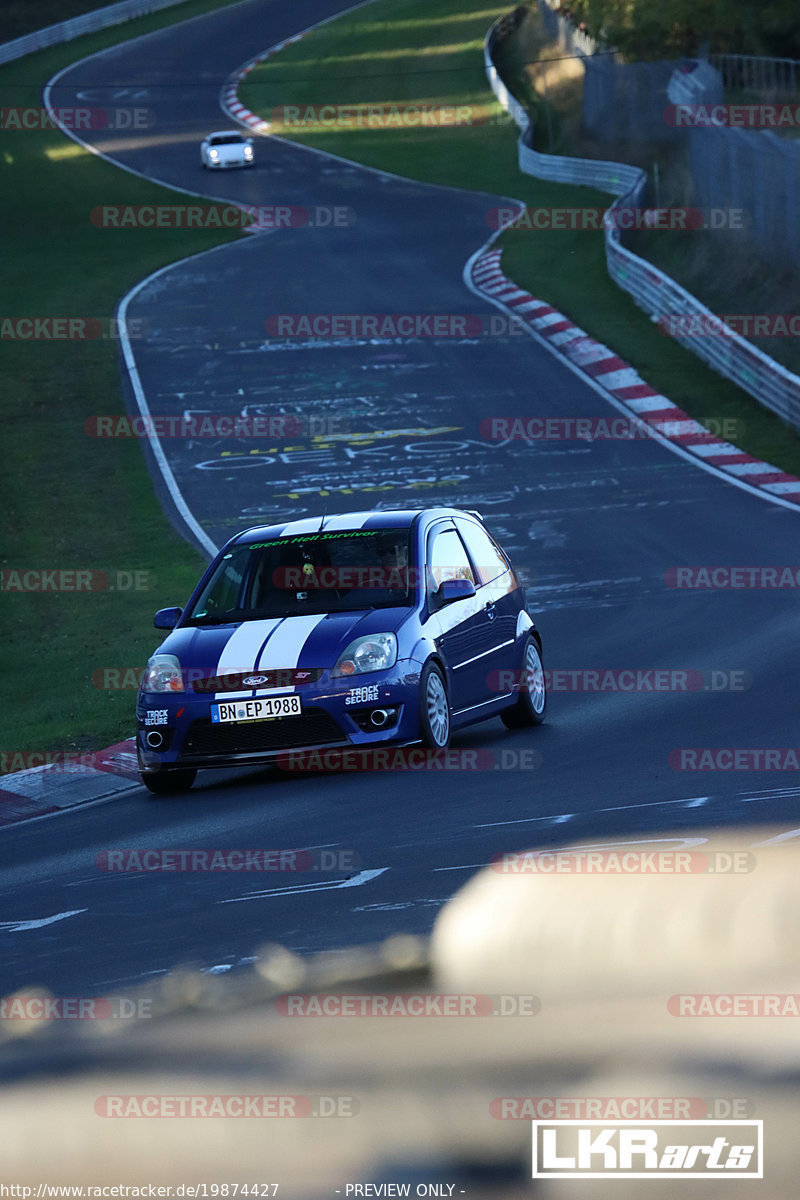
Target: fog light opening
x=379 y=716
x=154 y=739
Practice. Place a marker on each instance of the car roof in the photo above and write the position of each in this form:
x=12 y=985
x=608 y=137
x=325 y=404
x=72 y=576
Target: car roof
x=224 y=133
x=391 y=518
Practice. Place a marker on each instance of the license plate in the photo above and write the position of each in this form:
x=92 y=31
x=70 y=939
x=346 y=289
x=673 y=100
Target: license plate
x=255 y=710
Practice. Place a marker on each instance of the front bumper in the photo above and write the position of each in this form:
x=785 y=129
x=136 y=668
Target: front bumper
x=336 y=714
x=231 y=164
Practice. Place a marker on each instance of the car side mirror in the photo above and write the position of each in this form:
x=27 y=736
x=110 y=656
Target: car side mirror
x=167 y=618
x=454 y=589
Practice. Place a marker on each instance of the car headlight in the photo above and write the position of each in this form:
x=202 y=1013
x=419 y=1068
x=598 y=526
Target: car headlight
x=248 y=151
x=213 y=154
x=377 y=652
x=163 y=674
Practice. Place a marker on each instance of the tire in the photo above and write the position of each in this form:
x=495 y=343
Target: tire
x=168 y=783
x=531 y=704
x=434 y=708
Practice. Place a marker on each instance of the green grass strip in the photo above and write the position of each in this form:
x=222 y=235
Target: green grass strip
x=71 y=501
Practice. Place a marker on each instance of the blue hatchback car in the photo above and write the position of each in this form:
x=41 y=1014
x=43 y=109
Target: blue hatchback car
x=352 y=630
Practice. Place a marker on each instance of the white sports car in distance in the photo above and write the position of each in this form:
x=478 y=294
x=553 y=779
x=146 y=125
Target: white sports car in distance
x=229 y=148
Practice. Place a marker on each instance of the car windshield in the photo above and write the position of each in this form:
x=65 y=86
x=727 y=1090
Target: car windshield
x=227 y=139
x=333 y=571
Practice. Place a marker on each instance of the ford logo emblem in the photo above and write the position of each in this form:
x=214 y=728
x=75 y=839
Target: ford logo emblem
x=254 y=680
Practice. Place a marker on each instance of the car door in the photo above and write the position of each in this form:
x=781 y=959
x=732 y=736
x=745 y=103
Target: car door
x=463 y=633
x=500 y=604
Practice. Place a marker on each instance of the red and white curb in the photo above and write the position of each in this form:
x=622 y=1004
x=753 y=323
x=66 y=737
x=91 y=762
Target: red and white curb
x=77 y=779
x=230 y=98
x=621 y=381
x=231 y=104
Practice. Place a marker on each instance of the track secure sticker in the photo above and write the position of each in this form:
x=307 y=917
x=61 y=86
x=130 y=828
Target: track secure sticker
x=362 y=695
x=156 y=716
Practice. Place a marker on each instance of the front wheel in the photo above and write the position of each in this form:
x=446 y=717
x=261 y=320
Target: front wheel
x=169 y=783
x=434 y=708
x=532 y=702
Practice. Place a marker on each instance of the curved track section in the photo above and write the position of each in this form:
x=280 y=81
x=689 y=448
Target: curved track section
x=595 y=527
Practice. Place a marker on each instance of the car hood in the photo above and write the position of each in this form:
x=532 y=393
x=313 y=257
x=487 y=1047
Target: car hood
x=276 y=644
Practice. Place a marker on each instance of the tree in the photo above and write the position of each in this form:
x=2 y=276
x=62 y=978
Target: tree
x=650 y=29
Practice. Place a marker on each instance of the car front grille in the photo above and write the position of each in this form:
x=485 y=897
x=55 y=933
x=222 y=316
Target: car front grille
x=232 y=681
x=314 y=727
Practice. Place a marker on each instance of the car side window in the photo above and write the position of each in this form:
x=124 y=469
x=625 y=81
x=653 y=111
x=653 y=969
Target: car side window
x=488 y=558
x=225 y=591
x=448 y=560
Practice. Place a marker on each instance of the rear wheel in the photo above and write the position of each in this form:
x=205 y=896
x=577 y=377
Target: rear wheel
x=532 y=702
x=434 y=706
x=169 y=783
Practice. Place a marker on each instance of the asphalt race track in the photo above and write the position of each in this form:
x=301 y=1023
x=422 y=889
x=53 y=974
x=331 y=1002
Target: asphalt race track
x=593 y=526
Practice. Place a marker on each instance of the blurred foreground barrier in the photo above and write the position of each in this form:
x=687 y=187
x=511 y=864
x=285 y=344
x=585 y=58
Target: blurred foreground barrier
x=565 y=982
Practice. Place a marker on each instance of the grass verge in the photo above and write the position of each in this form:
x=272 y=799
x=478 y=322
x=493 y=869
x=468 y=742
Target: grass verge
x=71 y=501
x=401 y=51
x=19 y=17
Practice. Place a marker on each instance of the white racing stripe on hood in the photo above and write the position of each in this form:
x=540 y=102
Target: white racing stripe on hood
x=340 y=521
x=282 y=652
x=242 y=650
x=349 y=520
x=304 y=525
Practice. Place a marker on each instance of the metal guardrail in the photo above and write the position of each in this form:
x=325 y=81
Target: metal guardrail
x=772 y=385
x=614 y=177
x=753 y=73
x=90 y=22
